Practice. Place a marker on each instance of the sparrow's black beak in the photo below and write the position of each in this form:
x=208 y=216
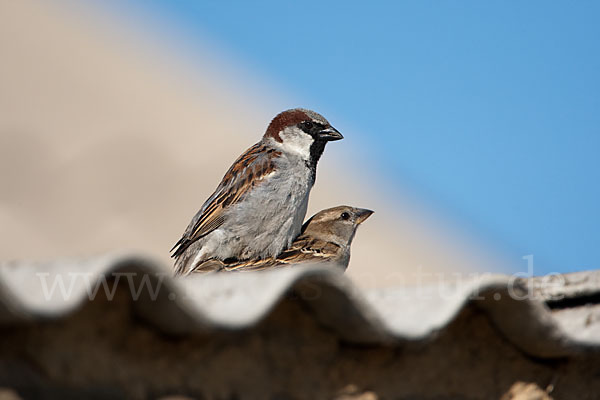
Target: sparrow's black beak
x=330 y=134
x=362 y=214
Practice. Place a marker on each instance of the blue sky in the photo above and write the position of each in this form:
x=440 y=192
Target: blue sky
x=488 y=111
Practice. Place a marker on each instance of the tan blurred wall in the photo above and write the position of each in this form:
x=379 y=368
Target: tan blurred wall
x=105 y=146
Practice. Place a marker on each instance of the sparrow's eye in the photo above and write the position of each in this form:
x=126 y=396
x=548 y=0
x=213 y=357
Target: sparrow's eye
x=308 y=125
x=345 y=216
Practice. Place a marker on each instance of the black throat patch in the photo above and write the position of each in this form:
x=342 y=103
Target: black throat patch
x=316 y=151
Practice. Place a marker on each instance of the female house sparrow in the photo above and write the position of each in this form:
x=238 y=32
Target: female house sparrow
x=325 y=238
x=258 y=208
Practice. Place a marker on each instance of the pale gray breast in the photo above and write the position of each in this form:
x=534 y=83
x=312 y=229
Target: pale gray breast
x=271 y=216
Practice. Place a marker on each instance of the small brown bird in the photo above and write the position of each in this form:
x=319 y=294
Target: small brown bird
x=258 y=208
x=325 y=238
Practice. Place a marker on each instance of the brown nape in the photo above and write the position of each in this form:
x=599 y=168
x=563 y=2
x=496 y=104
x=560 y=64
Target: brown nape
x=331 y=214
x=283 y=120
x=321 y=226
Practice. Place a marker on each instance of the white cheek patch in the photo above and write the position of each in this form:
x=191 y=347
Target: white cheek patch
x=295 y=140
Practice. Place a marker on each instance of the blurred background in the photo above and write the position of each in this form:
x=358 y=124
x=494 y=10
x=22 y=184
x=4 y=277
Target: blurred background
x=472 y=128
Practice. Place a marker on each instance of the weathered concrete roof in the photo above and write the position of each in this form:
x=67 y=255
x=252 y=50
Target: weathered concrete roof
x=558 y=318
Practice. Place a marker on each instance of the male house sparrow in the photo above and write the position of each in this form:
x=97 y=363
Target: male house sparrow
x=258 y=208
x=325 y=238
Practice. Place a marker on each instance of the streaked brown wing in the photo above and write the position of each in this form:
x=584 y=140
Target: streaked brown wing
x=211 y=265
x=303 y=250
x=307 y=249
x=251 y=265
x=246 y=172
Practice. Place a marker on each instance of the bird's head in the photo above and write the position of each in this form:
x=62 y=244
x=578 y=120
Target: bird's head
x=337 y=225
x=301 y=132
